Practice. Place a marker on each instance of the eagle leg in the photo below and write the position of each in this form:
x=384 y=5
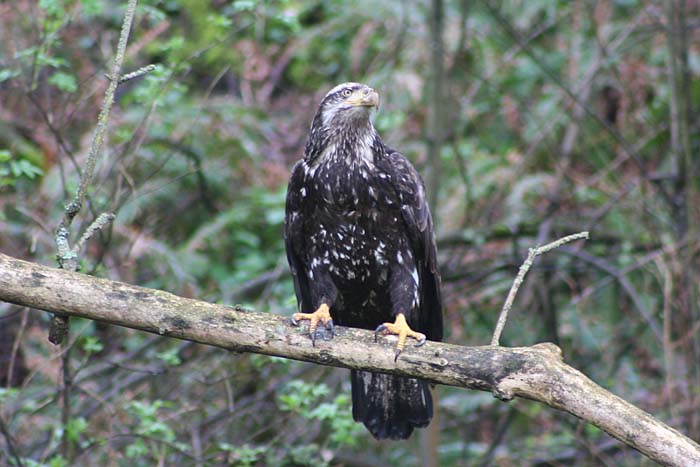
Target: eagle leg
x=321 y=315
x=400 y=328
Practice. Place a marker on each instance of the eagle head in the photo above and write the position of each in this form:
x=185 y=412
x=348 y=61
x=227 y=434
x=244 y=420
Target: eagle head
x=347 y=104
x=343 y=116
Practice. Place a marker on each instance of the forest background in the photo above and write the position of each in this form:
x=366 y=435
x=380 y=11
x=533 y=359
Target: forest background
x=529 y=120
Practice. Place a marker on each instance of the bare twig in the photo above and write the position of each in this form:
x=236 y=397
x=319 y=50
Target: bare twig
x=135 y=74
x=15 y=346
x=102 y=220
x=533 y=253
x=66 y=392
x=98 y=138
x=68 y=257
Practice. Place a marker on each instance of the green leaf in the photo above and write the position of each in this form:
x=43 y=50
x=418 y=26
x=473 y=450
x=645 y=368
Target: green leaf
x=6 y=393
x=170 y=356
x=219 y=21
x=92 y=344
x=52 y=7
x=75 y=427
x=247 y=456
x=90 y=7
x=158 y=429
x=136 y=449
x=47 y=60
x=58 y=461
x=174 y=44
x=64 y=81
x=24 y=168
x=244 y=5
x=324 y=411
x=299 y=396
x=8 y=73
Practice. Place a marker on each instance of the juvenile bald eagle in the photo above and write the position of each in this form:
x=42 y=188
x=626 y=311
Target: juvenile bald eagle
x=360 y=244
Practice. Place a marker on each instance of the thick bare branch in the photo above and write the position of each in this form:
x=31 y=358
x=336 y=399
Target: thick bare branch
x=536 y=372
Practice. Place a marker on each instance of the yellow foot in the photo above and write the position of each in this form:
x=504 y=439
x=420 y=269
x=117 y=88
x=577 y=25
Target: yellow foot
x=401 y=329
x=322 y=315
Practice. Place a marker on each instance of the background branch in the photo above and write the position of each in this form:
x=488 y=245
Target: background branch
x=536 y=372
x=533 y=253
x=67 y=256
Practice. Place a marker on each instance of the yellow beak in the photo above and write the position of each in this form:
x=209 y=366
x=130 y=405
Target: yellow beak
x=367 y=97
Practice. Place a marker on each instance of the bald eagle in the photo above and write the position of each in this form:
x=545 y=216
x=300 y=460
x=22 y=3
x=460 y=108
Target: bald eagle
x=360 y=244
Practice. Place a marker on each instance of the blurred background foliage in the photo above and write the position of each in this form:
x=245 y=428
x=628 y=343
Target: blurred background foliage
x=551 y=117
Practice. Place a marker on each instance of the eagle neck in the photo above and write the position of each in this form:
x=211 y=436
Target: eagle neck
x=349 y=144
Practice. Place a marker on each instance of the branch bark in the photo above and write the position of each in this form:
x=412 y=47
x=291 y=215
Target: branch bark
x=537 y=373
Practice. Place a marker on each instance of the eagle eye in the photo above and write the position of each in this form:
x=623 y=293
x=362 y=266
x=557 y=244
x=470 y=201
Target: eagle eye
x=347 y=92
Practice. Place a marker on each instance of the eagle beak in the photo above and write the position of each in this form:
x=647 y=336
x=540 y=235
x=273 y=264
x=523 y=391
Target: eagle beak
x=366 y=97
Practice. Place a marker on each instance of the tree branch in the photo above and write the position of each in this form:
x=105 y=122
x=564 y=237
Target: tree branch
x=537 y=373
x=524 y=268
x=68 y=257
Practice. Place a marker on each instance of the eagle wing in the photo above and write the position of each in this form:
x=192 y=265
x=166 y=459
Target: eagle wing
x=419 y=228
x=294 y=240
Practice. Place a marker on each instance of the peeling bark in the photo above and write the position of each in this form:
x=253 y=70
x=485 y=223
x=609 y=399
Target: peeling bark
x=538 y=372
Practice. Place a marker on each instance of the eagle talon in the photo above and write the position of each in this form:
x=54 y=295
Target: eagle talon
x=380 y=329
x=400 y=328
x=321 y=332
x=321 y=315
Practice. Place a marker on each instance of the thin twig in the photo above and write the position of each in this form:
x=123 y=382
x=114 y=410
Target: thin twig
x=533 y=253
x=135 y=74
x=66 y=445
x=68 y=257
x=15 y=347
x=101 y=221
x=98 y=138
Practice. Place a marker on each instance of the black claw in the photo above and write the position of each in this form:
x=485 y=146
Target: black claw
x=421 y=342
x=294 y=322
x=397 y=352
x=379 y=329
x=313 y=338
x=331 y=328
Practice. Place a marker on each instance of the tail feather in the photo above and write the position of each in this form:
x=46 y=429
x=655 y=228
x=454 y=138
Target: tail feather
x=390 y=406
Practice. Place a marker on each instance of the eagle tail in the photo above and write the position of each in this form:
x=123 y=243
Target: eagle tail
x=390 y=406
